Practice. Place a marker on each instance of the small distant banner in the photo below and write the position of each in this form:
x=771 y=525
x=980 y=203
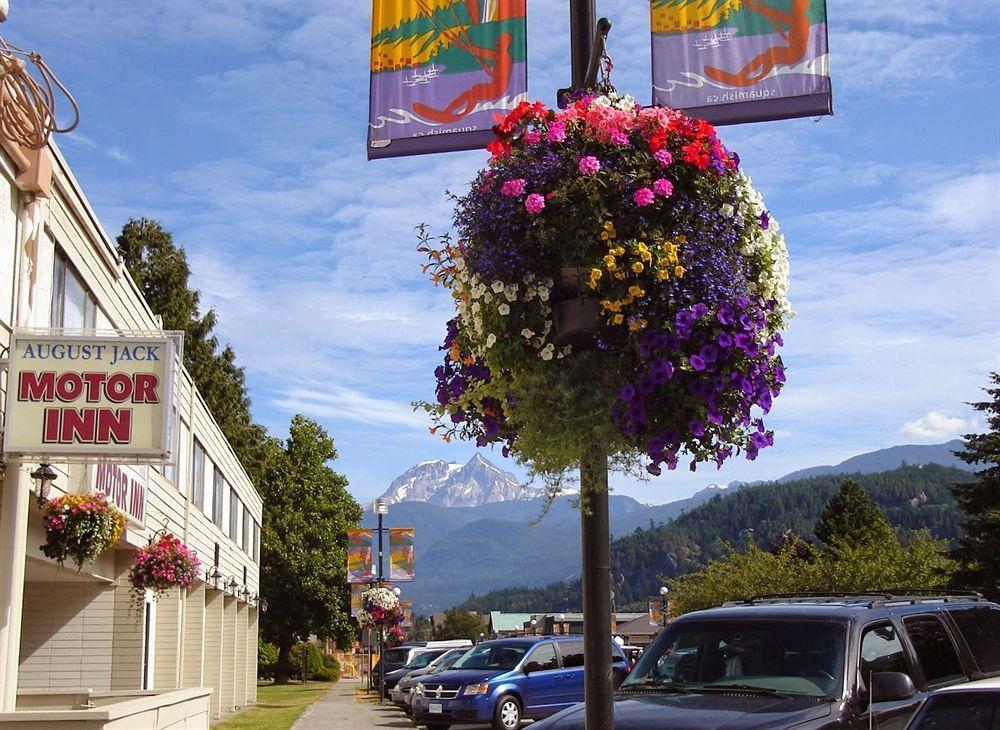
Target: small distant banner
x=407 y=607
x=356 y=590
x=736 y=61
x=359 y=556
x=401 y=556
x=441 y=70
x=655 y=612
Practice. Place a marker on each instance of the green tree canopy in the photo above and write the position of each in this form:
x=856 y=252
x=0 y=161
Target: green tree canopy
x=978 y=551
x=459 y=624
x=160 y=269
x=851 y=518
x=307 y=510
x=864 y=566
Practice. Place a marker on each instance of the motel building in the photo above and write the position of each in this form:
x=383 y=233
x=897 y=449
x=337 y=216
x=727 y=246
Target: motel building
x=73 y=654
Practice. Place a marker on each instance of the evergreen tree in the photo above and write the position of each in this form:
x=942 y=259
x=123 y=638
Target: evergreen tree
x=978 y=551
x=307 y=511
x=160 y=269
x=851 y=518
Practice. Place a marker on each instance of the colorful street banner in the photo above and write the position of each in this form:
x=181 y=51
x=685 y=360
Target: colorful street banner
x=356 y=590
x=407 y=608
x=655 y=612
x=359 y=556
x=401 y=559
x=735 y=61
x=441 y=70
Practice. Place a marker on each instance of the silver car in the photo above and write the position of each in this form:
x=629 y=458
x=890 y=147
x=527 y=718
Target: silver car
x=402 y=693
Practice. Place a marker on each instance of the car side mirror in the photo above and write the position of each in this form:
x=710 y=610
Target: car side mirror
x=891 y=686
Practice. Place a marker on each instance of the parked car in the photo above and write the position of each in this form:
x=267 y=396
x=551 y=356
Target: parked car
x=419 y=661
x=965 y=708
x=503 y=682
x=399 y=656
x=808 y=662
x=403 y=690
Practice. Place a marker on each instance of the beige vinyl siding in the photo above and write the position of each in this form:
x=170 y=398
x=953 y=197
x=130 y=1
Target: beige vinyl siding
x=193 y=651
x=127 y=644
x=229 y=643
x=166 y=667
x=251 y=676
x=66 y=636
x=240 y=671
x=214 y=637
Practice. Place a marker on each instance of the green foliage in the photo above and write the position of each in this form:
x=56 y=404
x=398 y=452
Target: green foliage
x=459 y=624
x=313 y=659
x=553 y=597
x=978 y=551
x=866 y=566
x=422 y=630
x=267 y=658
x=307 y=510
x=911 y=498
x=851 y=518
x=330 y=671
x=160 y=269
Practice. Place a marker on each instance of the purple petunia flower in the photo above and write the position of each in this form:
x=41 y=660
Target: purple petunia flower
x=697 y=363
x=724 y=340
x=765 y=220
x=627 y=393
x=697 y=428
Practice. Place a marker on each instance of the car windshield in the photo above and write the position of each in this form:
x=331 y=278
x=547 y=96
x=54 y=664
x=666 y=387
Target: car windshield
x=422 y=660
x=448 y=658
x=791 y=657
x=491 y=656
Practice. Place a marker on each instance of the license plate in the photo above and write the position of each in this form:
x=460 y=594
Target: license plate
x=435 y=708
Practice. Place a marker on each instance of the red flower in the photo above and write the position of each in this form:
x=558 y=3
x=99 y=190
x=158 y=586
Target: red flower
x=658 y=140
x=696 y=154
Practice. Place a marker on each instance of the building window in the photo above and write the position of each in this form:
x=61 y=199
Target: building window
x=73 y=306
x=198 y=475
x=246 y=531
x=218 y=493
x=234 y=502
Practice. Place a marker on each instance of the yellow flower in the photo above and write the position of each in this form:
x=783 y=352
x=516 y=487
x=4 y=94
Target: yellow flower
x=681 y=239
x=636 y=291
x=637 y=267
x=604 y=236
x=663 y=275
x=609 y=226
x=619 y=275
x=618 y=251
x=619 y=319
x=678 y=270
x=637 y=325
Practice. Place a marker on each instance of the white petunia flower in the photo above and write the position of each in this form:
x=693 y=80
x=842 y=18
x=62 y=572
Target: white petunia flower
x=491 y=340
x=497 y=286
x=504 y=309
x=527 y=334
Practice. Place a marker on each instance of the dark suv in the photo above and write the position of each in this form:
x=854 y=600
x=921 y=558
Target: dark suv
x=816 y=661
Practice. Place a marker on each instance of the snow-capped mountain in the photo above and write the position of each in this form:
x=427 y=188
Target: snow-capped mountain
x=447 y=484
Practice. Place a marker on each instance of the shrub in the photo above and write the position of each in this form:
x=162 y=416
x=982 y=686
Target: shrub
x=267 y=658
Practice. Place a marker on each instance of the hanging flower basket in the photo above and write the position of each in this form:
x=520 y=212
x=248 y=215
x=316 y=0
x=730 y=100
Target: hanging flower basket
x=381 y=606
x=80 y=527
x=395 y=637
x=164 y=564
x=630 y=238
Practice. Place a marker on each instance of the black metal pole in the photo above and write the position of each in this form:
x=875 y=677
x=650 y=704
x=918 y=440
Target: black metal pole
x=598 y=692
x=582 y=20
x=381 y=635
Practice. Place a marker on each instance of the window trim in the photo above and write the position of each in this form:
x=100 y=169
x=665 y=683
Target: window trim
x=197 y=494
x=218 y=497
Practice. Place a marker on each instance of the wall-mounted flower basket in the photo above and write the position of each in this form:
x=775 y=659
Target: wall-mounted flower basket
x=80 y=527
x=166 y=563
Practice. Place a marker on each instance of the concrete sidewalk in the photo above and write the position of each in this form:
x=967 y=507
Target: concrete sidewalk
x=339 y=710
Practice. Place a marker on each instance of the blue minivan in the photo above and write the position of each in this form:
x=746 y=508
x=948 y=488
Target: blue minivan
x=503 y=682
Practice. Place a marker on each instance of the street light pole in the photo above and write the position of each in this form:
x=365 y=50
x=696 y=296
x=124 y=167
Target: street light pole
x=664 y=605
x=381 y=509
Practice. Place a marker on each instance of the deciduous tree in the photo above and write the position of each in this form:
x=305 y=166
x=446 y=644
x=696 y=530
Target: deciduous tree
x=459 y=624
x=307 y=510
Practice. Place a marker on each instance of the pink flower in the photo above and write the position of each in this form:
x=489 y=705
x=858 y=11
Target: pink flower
x=619 y=138
x=532 y=136
x=589 y=165
x=514 y=187
x=663 y=157
x=534 y=203
x=557 y=132
x=643 y=197
x=663 y=187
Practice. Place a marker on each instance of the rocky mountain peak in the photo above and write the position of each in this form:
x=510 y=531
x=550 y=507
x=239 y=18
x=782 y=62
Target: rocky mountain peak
x=448 y=484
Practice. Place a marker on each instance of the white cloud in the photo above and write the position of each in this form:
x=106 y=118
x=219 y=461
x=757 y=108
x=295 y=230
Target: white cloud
x=938 y=426
x=350 y=405
x=117 y=153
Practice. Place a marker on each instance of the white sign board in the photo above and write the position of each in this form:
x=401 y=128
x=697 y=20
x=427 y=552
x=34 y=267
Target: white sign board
x=86 y=396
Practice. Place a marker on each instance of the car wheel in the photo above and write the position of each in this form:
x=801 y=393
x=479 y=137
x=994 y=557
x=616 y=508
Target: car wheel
x=507 y=715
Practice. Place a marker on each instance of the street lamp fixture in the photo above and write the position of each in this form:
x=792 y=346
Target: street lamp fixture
x=380 y=506
x=664 y=604
x=45 y=475
x=395 y=589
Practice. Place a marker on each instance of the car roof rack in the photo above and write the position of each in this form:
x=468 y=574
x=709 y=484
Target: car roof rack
x=870 y=599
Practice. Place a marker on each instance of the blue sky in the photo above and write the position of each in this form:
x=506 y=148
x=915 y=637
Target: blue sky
x=241 y=126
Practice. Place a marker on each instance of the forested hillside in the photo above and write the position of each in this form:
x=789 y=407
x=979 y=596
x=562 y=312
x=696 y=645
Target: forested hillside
x=912 y=498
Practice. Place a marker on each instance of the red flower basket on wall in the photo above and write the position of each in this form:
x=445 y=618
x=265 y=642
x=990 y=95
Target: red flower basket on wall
x=164 y=564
